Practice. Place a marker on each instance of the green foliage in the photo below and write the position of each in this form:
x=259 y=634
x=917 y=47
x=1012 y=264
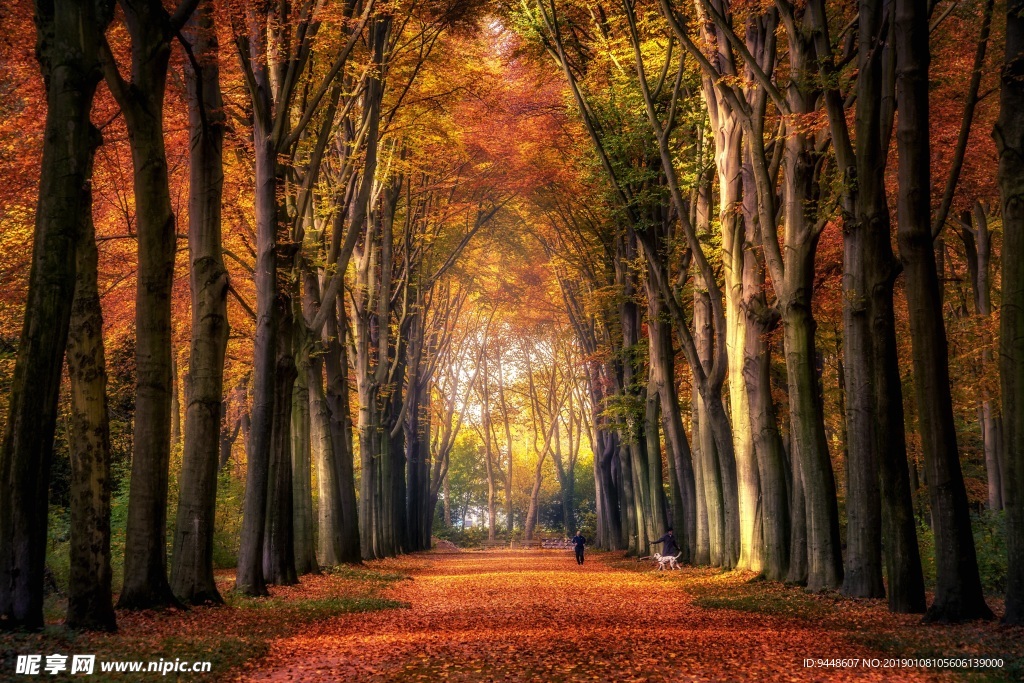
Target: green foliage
x=233 y=634
x=228 y=524
x=317 y=609
x=471 y=537
x=358 y=574
x=788 y=603
x=989 y=529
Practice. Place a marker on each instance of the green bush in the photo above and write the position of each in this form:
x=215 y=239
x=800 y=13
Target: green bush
x=227 y=530
x=464 y=538
x=989 y=529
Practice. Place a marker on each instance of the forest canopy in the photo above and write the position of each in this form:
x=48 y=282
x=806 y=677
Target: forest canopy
x=292 y=285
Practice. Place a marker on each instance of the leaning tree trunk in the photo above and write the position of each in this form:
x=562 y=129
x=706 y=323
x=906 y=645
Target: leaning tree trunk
x=702 y=551
x=192 y=557
x=67 y=48
x=958 y=592
x=90 y=603
x=1009 y=135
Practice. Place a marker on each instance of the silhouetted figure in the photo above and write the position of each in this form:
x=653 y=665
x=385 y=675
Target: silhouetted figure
x=670 y=547
x=578 y=543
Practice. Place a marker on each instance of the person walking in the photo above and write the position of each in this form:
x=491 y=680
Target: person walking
x=578 y=543
x=670 y=546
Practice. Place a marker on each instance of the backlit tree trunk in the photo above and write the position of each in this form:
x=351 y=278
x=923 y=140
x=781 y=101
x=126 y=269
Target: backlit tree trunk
x=192 y=556
x=142 y=101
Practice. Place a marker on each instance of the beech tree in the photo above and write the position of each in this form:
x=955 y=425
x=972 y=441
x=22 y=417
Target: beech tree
x=69 y=36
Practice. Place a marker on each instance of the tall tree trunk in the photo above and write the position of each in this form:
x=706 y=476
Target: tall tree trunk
x=1009 y=135
x=336 y=365
x=447 y=501
x=279 y=531
x=192 y=557
x=702 y=555
x=958 y=592
x=141 y=100
x=797 y=573
x=302 y=491
x=799 y=204
x=977 y=239
x=876 y=446
x=769 y=546
x=328 y=504
x=658 y=509
x=250 y=579
x=90 y=603
x=679 y=457
x=710 y=471
x=68 y=53
x=530 y=525
x=771 y=554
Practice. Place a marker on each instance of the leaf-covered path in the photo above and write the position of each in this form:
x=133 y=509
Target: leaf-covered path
x=537 y=616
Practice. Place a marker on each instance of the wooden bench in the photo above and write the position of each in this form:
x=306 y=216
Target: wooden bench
x=492 y=545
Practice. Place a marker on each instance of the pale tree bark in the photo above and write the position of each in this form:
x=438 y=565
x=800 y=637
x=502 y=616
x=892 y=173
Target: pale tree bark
x=770 y=549
x=489 y=465
x=329 y=522
x=977 y=239
x=709 y=471
x=791 y=268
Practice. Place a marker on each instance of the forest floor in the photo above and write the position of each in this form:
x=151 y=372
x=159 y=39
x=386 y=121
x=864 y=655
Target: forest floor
x=532 y=615
x=537 y=616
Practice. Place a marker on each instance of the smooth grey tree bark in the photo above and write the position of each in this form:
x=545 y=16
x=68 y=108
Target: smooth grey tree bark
x=192 y=555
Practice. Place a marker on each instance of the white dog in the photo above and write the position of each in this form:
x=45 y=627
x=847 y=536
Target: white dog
x=666 y=561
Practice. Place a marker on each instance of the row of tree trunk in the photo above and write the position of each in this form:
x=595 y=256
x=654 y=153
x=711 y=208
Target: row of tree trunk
x=765 y=502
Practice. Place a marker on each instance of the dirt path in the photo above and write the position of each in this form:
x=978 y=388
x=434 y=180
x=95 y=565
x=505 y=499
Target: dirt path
x=536 y=616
